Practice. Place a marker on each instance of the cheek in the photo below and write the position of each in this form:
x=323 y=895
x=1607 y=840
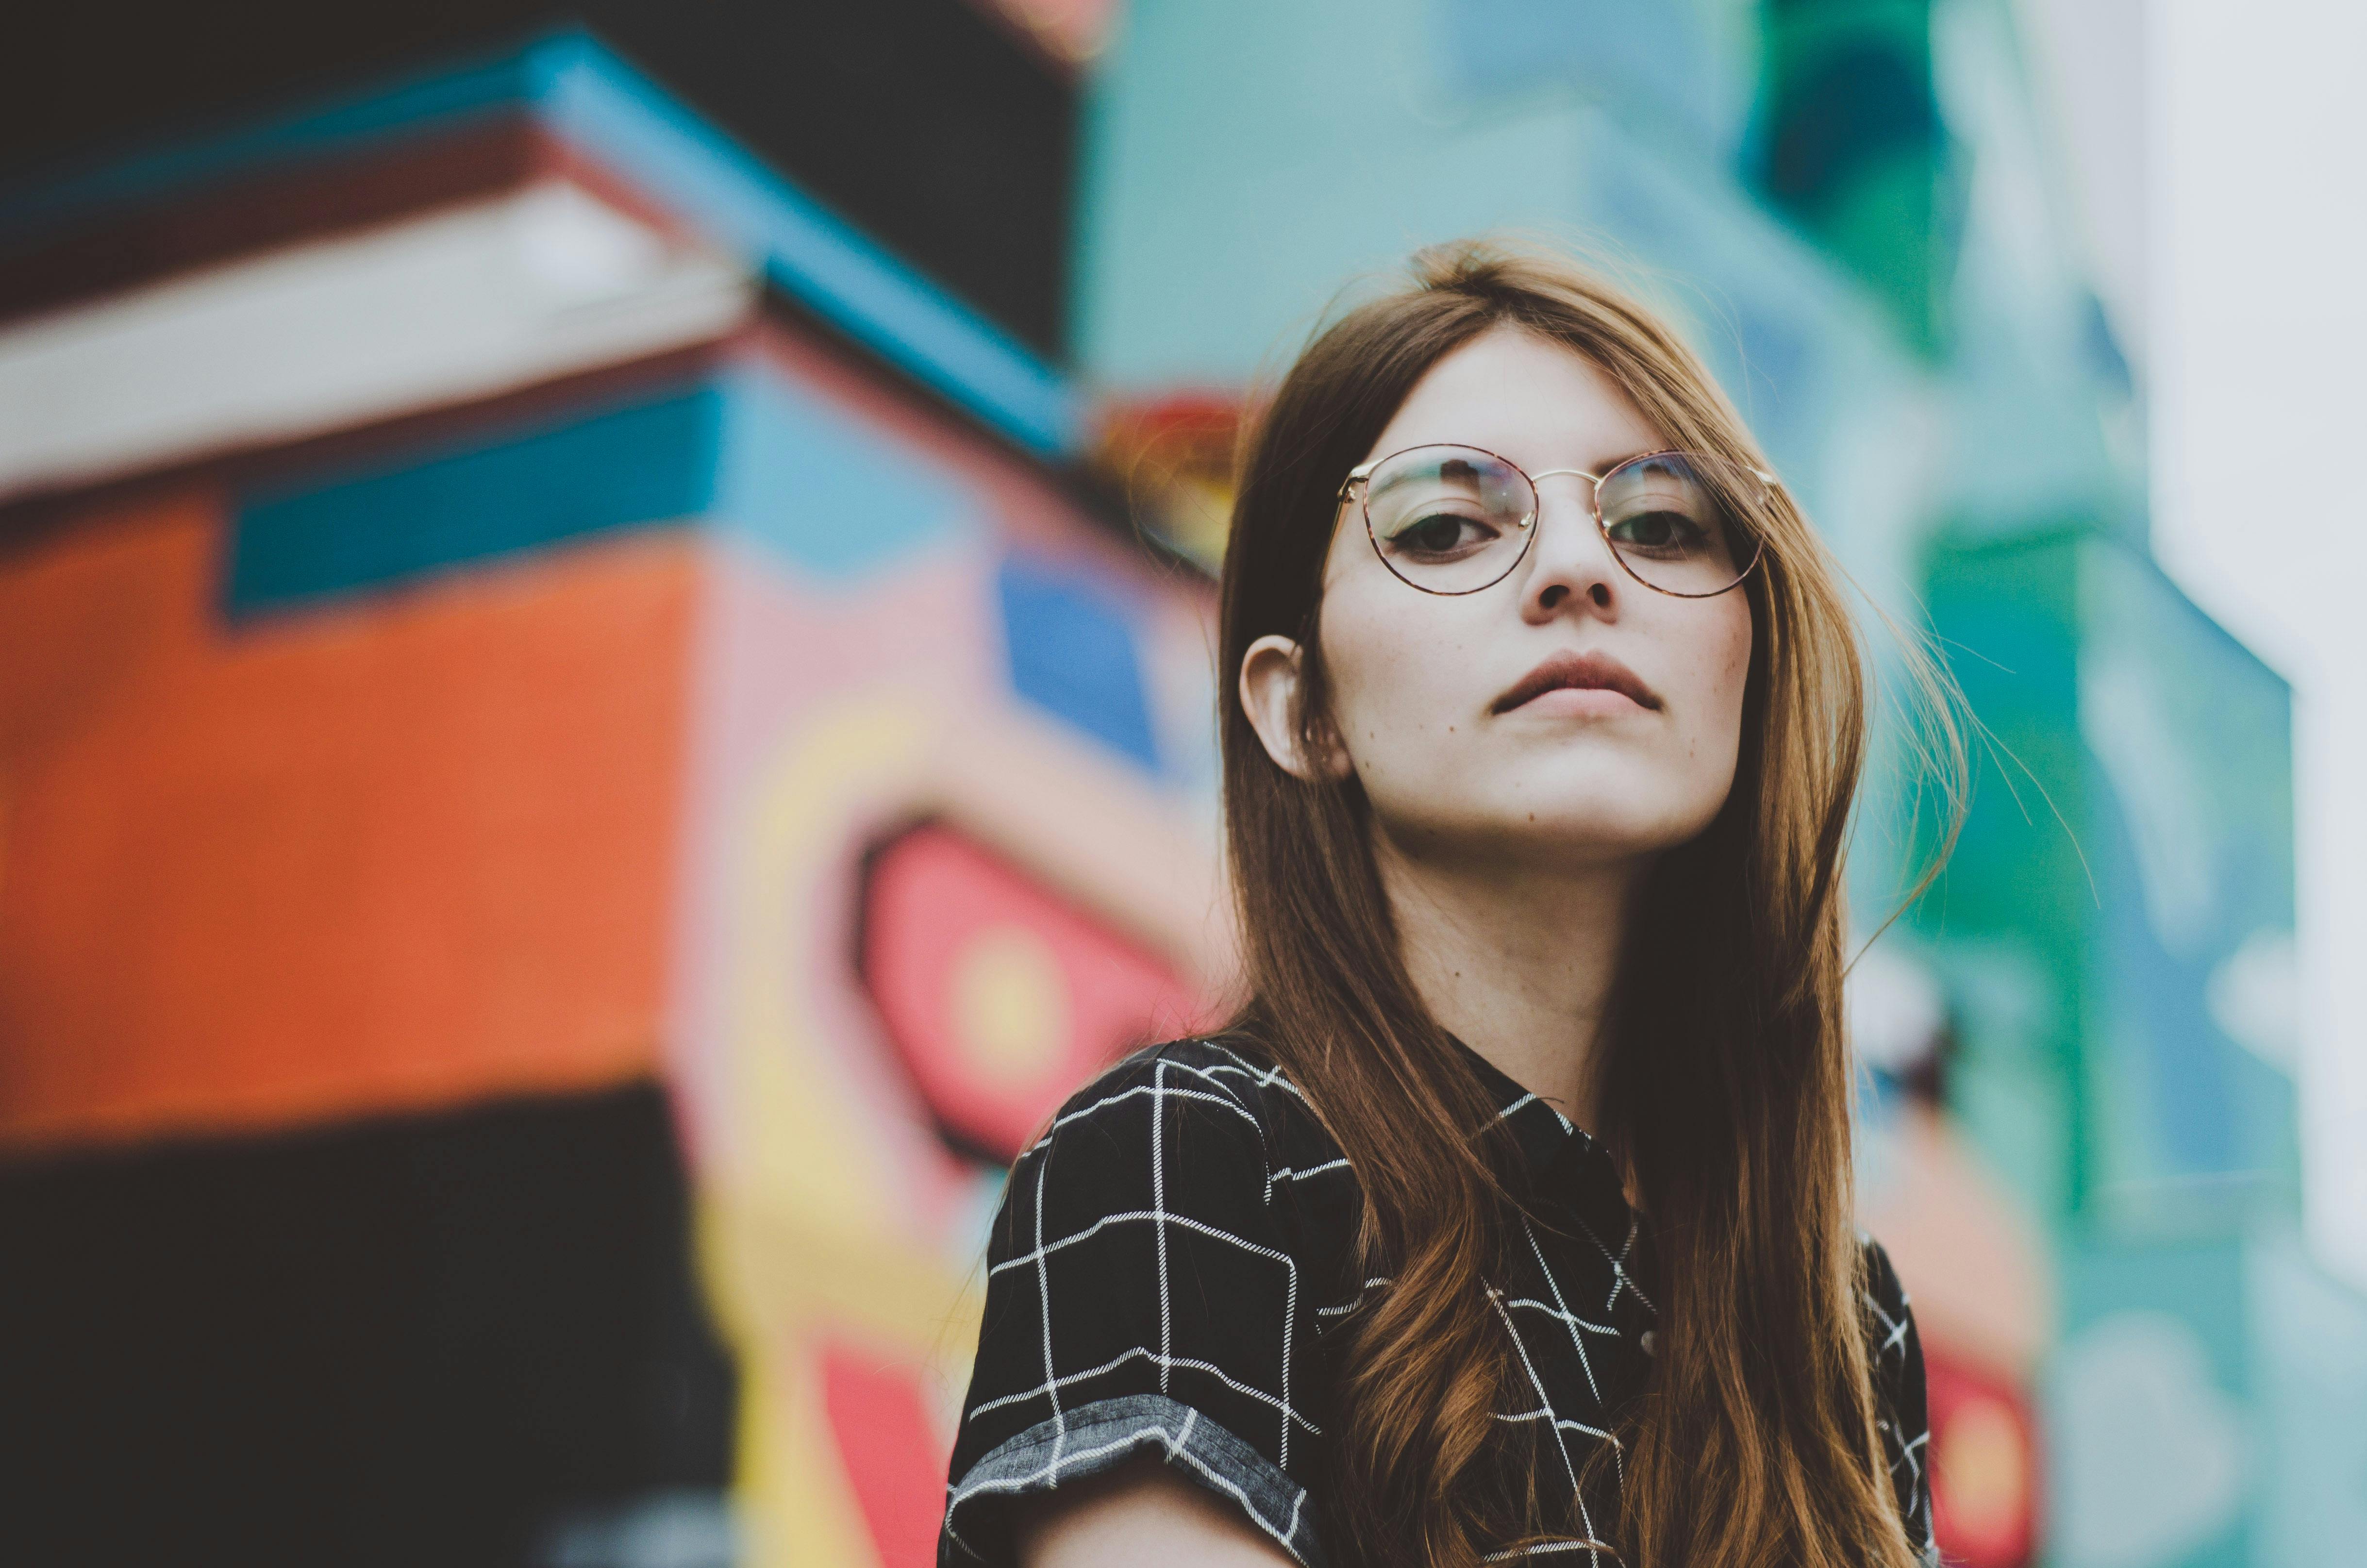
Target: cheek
x=1364 y=668
x=1391 y=669
x=1728 y=674
x=1715 y=676
x=1734 y=665
x=1355 y=653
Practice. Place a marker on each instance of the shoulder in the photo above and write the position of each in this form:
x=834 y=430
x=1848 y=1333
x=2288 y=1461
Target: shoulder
x=1205 y=1132
x=1213 y=1089
x=1232 y=1065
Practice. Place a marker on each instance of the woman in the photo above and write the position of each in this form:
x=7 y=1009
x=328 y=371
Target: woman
x=1511 y=1214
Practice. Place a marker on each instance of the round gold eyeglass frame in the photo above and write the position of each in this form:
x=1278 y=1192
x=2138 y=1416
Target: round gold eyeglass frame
x=1360 y=476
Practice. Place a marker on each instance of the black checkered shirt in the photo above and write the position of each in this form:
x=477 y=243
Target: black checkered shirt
x=1171 y=1255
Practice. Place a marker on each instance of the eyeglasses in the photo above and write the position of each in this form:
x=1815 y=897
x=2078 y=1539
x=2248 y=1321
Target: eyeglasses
x=1451 y=519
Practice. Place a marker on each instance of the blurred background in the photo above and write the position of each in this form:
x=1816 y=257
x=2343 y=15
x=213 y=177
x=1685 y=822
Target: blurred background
x=604 y=697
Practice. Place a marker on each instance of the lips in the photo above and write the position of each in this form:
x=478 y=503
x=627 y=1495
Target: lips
x=1585 y=672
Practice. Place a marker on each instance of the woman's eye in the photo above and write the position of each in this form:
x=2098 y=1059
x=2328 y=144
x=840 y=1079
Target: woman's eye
x=1659 y=531
x=1440 y=533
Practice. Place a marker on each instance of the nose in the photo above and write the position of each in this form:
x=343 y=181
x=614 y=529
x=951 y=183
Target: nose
x=1570 y=561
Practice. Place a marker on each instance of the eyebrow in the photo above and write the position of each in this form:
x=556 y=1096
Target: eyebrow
x=1599 y=469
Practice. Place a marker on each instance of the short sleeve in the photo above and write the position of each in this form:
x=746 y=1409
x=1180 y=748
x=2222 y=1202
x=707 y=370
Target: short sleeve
x=1143 y=1296
x=1903 y=1413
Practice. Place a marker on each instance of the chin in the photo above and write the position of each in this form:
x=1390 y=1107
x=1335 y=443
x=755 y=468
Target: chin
x=1589 y=836
x=1575 y=809
x=1610 y=814
x=1578 y=836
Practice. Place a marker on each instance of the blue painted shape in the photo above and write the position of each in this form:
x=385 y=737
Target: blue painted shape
x=2168 y=1055
x=1071 y=642
x=1648 y=53
x=580 y=90
x=2189 y=743
x=807 y=250
x=819 y=489
x=650 y=462
x=2141 y=1305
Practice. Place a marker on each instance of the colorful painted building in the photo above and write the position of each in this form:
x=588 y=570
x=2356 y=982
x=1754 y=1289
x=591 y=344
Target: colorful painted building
x=577 y=768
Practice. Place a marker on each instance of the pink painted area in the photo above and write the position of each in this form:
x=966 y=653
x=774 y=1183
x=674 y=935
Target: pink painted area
x=780 y=661
x=933 y=898
x=772 y=657
x=783 y=661
x=895 y=1460
x=1971 y=1258
x=1985 y=1465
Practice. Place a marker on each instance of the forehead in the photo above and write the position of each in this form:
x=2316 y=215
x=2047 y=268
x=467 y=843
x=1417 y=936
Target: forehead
x=1523 y=397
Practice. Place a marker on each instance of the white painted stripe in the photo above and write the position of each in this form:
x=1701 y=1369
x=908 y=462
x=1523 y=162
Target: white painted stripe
x=464 y=302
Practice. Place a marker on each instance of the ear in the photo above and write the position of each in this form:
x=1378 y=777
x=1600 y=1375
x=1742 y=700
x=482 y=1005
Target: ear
x=1272 y=686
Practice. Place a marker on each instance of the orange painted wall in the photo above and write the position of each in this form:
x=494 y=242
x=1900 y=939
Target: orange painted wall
x=400 y=851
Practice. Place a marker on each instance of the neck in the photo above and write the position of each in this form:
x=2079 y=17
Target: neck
x=1517 y=962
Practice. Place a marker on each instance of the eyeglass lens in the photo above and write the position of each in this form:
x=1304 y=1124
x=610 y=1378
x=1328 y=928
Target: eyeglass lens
x=1456 y=519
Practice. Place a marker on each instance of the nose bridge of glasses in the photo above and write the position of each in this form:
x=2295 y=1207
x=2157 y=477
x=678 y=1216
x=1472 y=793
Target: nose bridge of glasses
x=1584 y=493
x=1582 y=542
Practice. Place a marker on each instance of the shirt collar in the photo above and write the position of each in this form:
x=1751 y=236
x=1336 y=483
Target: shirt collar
x=1542 y=1133
x=1558 y=1159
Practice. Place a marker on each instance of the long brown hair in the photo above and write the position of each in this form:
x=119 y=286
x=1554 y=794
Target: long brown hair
x=1754 y=1442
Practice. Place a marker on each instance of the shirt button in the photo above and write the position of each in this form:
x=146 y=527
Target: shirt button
x=1651 y=1344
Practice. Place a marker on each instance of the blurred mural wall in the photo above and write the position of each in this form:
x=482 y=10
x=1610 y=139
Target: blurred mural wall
x=604 y=697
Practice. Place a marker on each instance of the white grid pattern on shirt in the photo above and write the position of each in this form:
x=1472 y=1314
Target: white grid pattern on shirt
x=1155 y=1215
x=1207 y=1083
